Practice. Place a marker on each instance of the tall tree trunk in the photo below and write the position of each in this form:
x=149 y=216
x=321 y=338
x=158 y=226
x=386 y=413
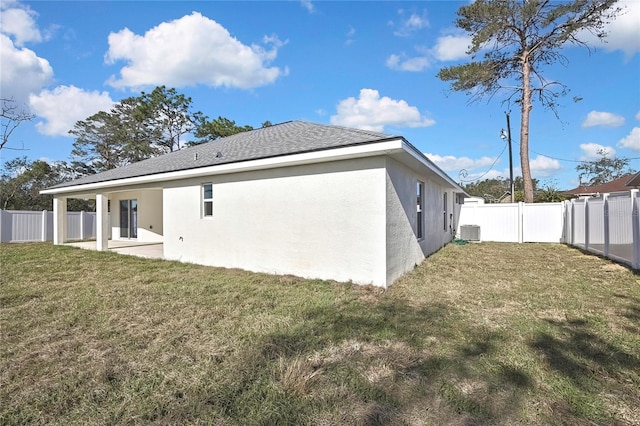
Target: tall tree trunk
x=525 y=111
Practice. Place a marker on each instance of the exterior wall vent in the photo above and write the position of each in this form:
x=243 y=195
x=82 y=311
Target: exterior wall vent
x=470 y=232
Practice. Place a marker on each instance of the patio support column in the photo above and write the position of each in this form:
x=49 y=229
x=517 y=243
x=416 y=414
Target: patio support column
x=59 y=220
x=102 y=222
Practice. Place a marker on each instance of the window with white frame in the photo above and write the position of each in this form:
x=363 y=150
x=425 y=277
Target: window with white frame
x=207 y=200
x=420 y=210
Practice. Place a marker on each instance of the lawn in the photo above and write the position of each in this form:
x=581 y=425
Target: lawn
x=477 y=334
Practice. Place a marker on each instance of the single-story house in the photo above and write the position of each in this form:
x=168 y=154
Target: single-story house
x=617 y=185
x=298 y=198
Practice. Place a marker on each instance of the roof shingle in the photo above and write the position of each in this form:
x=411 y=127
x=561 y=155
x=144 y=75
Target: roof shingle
x=292 y=137
x=615 y=185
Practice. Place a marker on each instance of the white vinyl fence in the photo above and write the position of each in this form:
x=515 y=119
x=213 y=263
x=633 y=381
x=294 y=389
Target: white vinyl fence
x=516 y=222
x=19 y=226
x=608 y=225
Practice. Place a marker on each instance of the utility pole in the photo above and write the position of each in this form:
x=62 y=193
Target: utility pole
x=510 y=157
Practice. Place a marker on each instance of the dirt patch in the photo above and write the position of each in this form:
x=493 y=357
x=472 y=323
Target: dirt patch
x=613 y=267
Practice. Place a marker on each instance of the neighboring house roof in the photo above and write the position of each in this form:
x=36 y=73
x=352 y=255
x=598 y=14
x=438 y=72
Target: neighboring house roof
x=280 y=140
x=634 y=182
x=620 y=184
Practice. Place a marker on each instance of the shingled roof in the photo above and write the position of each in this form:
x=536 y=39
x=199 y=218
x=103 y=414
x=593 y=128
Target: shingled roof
x=292 y=137
x=616 y=185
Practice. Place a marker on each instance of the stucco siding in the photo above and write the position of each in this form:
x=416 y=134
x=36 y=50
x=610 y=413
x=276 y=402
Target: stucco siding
x=403 y=247
x=436 y=234
x=317 y=221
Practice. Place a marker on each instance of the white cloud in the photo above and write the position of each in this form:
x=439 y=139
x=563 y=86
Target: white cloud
x=351 y=32
x=200 y=50
x=638 y=116
x=590 y=151
x=64 y=105
x=632 y=140
x=411 y=24
x=402 y=63
x=371 y=112
x=451 y=47
x=23 y=72
x=308 y=5
x=18 y=22
x=450 y=163
x=542 y=166
x=604 y=119
x=623 y=32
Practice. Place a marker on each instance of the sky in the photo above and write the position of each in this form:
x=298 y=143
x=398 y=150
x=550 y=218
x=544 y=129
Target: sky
x=362 y=64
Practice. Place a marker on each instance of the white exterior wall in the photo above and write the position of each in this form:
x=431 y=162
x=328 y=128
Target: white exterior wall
x=322 y=221
x=435 y=234
x=404 y=250
x=150 y=221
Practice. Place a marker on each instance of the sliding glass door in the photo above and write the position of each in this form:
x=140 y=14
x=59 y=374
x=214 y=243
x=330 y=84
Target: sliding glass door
x=128 y=218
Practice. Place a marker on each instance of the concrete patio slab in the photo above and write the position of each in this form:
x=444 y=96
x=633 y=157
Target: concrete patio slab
x=131 y=248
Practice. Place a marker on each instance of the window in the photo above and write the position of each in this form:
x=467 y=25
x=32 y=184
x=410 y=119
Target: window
x=444 y=210
x=207 y=200
x=419 y=210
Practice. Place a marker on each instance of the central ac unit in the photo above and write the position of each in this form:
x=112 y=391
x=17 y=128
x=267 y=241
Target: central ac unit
x=470 y=232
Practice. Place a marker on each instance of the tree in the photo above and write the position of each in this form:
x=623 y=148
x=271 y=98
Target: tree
x=99 y=144
x=168 y=117
x=518 y=38
x=489 y=189
x=22 y=180
x=11 y=118
x=493 y=190
x=549 y=194
x=136 y=128
x=218 y=128
x=602 y=170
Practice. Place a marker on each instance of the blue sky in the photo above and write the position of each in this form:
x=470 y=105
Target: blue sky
x=360 y=64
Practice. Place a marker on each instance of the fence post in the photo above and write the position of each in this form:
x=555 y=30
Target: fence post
x=605 y=206
x=1 y=224
x=635 y=226
x=565 y=224
x=520 y=221
x=573 y=223
x=43 y=227
x=82 y=236
x=586 y=224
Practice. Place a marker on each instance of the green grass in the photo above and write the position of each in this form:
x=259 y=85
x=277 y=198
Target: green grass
x=478 y=334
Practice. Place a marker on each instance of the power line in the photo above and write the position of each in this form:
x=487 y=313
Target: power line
x=575 y=161
x=490 y=168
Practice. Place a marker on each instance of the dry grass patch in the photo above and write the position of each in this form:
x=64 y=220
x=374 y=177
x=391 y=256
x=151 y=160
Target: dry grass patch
x=477 y=334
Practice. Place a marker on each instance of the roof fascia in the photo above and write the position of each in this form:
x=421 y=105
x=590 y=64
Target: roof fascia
x=415 y=153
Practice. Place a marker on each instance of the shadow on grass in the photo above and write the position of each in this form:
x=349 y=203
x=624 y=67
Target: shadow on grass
x=631 y=312
x=371 y=364
x=585 y=361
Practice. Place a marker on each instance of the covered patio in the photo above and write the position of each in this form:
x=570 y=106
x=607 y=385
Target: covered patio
x=149 y=250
